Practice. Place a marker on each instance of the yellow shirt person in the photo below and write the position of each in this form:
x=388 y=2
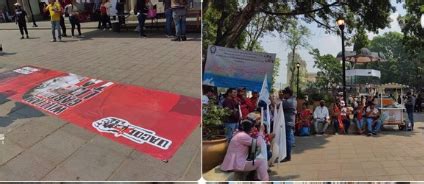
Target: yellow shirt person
x=54 y=10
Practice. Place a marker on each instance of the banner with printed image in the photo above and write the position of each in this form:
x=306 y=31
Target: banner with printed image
x=150 y=121
x=228 y=67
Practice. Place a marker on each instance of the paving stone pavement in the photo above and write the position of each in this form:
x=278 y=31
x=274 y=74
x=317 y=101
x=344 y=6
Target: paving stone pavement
x=393 y=155
x=41 y=147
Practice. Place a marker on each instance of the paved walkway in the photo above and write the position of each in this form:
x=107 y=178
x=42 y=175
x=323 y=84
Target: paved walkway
x=42 y=147
x=393 y=155
x=46 y=25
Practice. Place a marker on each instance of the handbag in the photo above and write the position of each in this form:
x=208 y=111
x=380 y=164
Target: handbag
x=151 y=13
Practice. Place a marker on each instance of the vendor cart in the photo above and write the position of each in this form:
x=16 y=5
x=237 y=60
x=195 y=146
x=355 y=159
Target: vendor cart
x=392 y=112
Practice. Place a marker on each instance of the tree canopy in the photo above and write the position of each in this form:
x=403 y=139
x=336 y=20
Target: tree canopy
x=370 y=15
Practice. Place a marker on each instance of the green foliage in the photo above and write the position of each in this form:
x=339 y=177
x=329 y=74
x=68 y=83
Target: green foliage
x=316 y=96
x=369 y=15
x=413 y=39
x=399 y=67
x=275 y=73
x=330 y=70
x=296 y=37
x=214 y=21
x=213 y=119
x=360 y=40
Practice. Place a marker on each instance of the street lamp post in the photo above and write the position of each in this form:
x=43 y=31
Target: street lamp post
x=298 y=68
x=341 y=23
x=422 y=20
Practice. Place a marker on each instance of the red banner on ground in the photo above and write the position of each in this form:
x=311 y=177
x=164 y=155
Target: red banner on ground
x=152 y=122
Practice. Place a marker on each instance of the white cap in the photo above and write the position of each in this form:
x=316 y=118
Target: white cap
x=17 y=4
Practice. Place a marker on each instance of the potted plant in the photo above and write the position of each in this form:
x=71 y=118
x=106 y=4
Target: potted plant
x=214 y=144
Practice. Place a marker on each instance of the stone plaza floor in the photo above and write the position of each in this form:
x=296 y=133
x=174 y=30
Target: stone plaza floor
x=393 y=155
x=41 y=147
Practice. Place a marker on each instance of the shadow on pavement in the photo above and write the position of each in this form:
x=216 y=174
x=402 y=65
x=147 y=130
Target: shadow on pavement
x=132 y=34
x=309 y=142
x=7 y=53
x=273 y=176
x=32 y=38
x=19 y=111
x=393 y=130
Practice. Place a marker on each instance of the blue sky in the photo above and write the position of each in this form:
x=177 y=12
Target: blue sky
x=326 y=43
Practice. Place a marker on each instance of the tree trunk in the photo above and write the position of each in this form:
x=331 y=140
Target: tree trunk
x=240 y=22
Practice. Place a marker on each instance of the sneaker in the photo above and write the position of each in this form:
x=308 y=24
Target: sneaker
x=54 y=40
x=60 y=40
x=27 y=37
x=369 y=134
x=336 y=133
x=22 y=37
x=184 y=38
x=374 y=134
x=177 y=39
x=169 y=36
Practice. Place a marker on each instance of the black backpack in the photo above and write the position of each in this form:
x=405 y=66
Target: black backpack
x=254 y=151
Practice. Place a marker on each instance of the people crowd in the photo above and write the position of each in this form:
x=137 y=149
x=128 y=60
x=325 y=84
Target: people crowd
x=243 y=122
x=58 y=10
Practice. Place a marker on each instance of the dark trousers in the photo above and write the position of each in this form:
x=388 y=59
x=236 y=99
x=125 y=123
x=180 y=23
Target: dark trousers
x=62 y=25
x=22 y=28
x=346 y=124
x=411 y=118
x=289 y=141
x=75 y=22
x=141 y=19
x=103 y=18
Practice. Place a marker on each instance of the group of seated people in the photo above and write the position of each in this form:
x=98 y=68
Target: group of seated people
x=252 y=132
x=341 y=117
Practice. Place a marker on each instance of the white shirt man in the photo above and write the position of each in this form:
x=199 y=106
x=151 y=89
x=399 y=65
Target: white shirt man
x=321 y=115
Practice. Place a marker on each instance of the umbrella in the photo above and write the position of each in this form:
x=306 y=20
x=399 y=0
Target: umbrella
x=363 y=56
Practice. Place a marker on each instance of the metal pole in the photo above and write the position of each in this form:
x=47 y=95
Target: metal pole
x=298 y=92
x=343 y=66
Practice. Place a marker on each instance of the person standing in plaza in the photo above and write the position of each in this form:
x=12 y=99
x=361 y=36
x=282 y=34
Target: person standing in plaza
x=62 y=19
x=289 y=107
x=179 y=13
x=410 y=105
x=168 y=16
x=20 y=16
x=321 y=115
x=418 y=102
x=73 y=11
x=141 y=12
x=245 y=105
x=254 y=99
x=232 y=122
x=55 y=14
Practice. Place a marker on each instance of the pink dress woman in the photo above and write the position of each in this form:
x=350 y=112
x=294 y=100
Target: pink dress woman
x=235 y=159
